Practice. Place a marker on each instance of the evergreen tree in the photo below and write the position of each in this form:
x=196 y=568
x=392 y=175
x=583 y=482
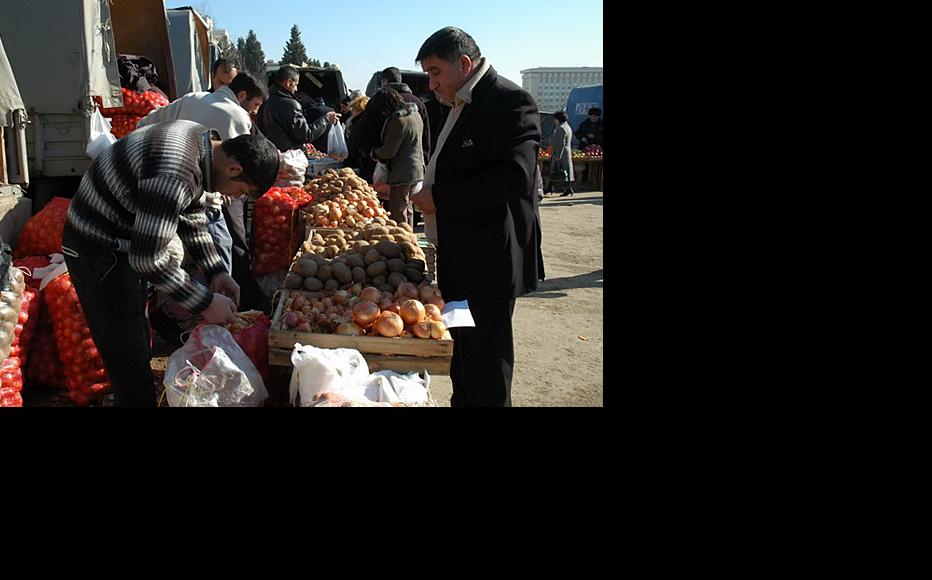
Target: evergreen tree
x=295 y=53
x=229 y=52
x=253 y=57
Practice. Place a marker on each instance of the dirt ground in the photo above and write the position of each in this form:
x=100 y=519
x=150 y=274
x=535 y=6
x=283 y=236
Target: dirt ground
x=558 y=329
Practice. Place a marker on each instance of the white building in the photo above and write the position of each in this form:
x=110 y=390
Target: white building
x=550 y=86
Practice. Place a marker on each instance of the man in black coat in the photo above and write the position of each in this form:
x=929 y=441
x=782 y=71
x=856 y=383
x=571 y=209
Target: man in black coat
x=281 y=118
x=481 y=184
x=315 y=109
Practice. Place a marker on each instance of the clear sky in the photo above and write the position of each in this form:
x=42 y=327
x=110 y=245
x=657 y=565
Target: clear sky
x=365 y=36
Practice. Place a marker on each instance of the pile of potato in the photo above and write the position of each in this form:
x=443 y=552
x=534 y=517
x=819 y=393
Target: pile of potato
x=331 y=243
x=338 y=262
x=342 y=200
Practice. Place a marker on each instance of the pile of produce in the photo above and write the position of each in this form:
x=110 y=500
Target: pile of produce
x=85 y=376
x=342 y=262
x=577 y=154
x=330 y=243
x=135 y=106
x=593 y=151
x=545 y=153
x=43 y=232
x=343 y=200
x=409 y=312
x=275 y=229
x=11 y=299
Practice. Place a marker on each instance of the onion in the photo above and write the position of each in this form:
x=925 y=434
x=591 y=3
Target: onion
x=432 y=312
x=406 y=291
x=389 y=324
x=303 y=327
x=291 y=319
x=355 y=289
x=437 y=329
x=421 y=329
x=340 y=296
x=371 y=294
x=393 y=307
x=322 y=319
x=426 y=292
x=385 y=302
x=365 y=312
x=412 y=312
x=436 y=301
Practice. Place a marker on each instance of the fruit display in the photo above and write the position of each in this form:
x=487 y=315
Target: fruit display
x=343 y=200
x=545 y=153
x=593 y=151
x=345 y=263
x=409 y=312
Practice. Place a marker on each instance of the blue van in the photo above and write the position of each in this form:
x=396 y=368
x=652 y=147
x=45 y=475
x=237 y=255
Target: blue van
x=579 y=102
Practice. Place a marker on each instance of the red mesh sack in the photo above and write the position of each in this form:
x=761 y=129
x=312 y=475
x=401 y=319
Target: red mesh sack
x=251 y=333
x=29 y=265
x=85 y=376
x=11 y=383
x=43 y=232
x=44 y=366
x=276 y=231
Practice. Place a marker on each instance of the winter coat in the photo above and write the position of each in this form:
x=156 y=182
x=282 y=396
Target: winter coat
x=562 y=156
x=282 y=121
x=401 y=147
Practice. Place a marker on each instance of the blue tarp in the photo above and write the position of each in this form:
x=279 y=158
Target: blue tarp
x=579 y=102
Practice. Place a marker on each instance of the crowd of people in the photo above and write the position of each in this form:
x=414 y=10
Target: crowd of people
x=465 y=156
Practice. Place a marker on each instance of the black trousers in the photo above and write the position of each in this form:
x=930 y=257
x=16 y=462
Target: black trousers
x=484 y=357
x=113 y=297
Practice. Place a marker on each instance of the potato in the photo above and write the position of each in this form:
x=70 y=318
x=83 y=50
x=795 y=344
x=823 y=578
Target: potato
x=406 y=226
x=389 y=249
x=391 y=222
x=294 y=280
x=372 y=256
x=353 y=260
x=378 y=280
x=325 y=272
x=415 y=264
x=415 y=276
x=332 y=251
x=319 y=260
x=331 y=285
x=305 y=267
x=396 y=265
x=317 y=240
x=359 y=274
x=313 y=284
x=386 y=287
x=377 y=269
x=395 y=279
x=410 y=249
x=342 y=273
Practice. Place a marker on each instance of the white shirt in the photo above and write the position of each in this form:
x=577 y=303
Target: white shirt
x=218 y=110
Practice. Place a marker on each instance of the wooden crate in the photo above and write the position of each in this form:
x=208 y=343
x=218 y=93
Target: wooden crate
x=402 y=355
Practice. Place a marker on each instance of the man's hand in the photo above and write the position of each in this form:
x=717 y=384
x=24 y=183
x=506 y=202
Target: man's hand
x=333 y=117
x=220 y=311
x=424 y=201
x=224 y=284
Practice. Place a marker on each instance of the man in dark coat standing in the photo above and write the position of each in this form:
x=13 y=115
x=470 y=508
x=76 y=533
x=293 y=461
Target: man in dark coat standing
x=281 y=118
x=480 y=183
x=391 y=78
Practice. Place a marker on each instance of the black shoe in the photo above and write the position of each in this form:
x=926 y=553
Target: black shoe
x=565 y=194
x=166 y=327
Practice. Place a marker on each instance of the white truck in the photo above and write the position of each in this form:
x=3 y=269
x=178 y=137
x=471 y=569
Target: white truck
x=64 y=53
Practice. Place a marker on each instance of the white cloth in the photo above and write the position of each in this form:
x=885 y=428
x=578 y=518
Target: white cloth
x=463 y=97
x=218 y=110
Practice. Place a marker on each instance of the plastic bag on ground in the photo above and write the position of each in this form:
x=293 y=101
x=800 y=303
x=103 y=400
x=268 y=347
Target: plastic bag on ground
x=211 y=370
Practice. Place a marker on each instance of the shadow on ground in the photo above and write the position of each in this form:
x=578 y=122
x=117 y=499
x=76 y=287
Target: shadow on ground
x=549 y=288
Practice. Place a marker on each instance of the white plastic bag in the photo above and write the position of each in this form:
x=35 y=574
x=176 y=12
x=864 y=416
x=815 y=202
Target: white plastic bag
x=292 y=167
x=101 y=138
x=211 y=370
x=341 y=370
x=336 y=142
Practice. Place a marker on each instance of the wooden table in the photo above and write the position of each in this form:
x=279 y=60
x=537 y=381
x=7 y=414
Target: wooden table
x=594 y=178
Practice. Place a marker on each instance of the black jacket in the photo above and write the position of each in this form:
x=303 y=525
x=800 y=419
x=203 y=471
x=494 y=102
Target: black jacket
x=313 y=115
x=484 y=189
x=586 y=128
x=409 y=97
x=282 y=121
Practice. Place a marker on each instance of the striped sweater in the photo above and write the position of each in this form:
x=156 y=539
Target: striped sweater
x=138 y=193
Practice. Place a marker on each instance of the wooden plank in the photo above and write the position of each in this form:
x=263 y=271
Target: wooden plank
x=434 y=365
x=425 y=347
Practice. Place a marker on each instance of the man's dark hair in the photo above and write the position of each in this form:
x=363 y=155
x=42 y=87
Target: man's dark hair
x=244 y=81
x=391 y=74
x=449 y=44
x=259 y=158
x=227 y=65
x=560 y=117
x=286 y=73
x=386 y=101
x=595 y=111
